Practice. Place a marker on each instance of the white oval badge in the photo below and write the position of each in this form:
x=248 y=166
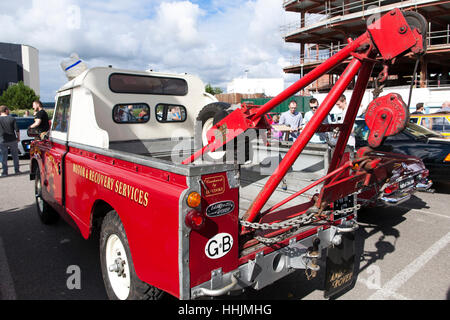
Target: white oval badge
x=219 y=246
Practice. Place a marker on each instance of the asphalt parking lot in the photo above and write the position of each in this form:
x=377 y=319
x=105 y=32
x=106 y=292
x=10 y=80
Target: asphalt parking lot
x=404 y=253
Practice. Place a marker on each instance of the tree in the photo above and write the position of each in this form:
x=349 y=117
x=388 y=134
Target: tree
x=212 y=90
x=18 y=96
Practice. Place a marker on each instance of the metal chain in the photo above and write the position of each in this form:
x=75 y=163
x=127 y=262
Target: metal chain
x=295 y=222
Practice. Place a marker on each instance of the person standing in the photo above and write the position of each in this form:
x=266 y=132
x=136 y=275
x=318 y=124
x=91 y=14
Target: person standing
x=40 y=118
x=319 y=137
x=9 y=137
x=342 y=109
x=293 y=119
x=420 y=109
x=339 y=117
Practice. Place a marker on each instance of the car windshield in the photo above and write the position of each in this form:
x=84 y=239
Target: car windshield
x=24 y=123
x=419 y=131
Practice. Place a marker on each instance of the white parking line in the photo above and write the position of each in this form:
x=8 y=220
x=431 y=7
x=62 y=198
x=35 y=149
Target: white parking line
x=394 y=295
x=426 y=212
x=7 y=291
x=410 y=270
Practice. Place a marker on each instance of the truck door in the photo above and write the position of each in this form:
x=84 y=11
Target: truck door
x=53 y=183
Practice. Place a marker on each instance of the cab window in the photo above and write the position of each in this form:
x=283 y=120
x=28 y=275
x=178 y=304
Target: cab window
x=426 y=122
x=170 y=113
x=131 y=113
x=140 y=84
x=440 y=124
x=62 y=114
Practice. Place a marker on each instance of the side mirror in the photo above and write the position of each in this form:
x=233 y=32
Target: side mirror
x=32 y=132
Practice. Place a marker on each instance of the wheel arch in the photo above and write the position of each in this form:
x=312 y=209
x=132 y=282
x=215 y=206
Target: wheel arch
x=34 y=164
x=99 y=210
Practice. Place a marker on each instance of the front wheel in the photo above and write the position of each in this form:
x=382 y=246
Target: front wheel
x=119 y=276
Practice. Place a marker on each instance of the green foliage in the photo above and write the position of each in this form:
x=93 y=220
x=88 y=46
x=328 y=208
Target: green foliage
x=213 y=91
x=18 y=96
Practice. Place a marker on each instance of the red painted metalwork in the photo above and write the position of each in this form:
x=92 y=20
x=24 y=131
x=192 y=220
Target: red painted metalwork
x=385 y=116
x=302 y=140
x=390 y=36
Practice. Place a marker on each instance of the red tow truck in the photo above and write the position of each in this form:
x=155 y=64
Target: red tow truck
x=170 y=222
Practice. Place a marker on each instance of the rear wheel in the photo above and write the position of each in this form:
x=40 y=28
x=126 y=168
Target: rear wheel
x=46 y=213
x=119 y=276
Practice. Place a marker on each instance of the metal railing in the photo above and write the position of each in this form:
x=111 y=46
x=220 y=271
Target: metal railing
x=439 y=37
x=331 y=10
x=435 y=38
x=313 y=55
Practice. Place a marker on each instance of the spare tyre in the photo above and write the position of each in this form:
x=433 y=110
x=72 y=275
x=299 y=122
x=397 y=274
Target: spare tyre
x=210 y=115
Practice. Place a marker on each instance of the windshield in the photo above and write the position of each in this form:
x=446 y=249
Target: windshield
x=24 y=123
x=419 y=131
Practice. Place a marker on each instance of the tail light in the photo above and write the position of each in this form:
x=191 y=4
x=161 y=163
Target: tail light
x=195 y=220
x=392 y=188
x=425 y=173
x=447 y=158
x=194 y=200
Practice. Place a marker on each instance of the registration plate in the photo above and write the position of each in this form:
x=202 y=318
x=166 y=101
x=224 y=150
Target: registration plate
x=340 y=273
x=406 y=183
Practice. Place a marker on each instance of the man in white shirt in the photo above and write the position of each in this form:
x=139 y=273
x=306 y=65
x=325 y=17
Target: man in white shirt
x=293 y=119
x=340 y=116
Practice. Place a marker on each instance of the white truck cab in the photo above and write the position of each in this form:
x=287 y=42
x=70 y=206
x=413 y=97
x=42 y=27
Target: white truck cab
x=114 y=105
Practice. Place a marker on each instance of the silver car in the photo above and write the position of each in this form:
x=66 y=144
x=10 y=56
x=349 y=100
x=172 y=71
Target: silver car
x=24 y=145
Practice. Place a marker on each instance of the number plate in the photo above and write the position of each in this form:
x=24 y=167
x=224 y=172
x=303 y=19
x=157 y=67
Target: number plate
x=340 y=266
x=344 y=203
x=406 y=183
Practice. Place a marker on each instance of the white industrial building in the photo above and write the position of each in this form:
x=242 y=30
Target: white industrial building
x=269 y=86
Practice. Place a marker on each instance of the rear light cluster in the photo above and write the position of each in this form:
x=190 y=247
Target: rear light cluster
x=425 y=173
x=195 y=219
x=391 y=188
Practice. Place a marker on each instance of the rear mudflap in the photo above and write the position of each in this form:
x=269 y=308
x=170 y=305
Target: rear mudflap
x=340 y=266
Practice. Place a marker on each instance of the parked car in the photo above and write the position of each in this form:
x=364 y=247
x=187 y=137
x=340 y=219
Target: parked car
x=430 y=146
x=25 y=141
x=439 y=122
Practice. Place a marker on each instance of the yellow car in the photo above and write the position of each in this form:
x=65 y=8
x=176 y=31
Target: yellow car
x=439 y=122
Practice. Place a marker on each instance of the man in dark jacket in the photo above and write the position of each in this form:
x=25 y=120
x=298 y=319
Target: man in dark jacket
x=9 y=137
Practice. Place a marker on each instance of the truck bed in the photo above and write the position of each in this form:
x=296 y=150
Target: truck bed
x=252 y=181
x=309 y=167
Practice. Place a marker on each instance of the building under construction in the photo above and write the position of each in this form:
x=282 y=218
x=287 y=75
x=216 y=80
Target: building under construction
x=323 y=28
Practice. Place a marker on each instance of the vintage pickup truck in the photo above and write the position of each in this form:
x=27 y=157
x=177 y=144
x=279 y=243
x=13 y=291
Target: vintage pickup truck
x=119 y=160
x=164 y=226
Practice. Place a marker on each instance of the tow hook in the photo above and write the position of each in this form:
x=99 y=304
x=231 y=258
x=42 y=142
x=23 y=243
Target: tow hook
x=310 y=260
x=347 y=226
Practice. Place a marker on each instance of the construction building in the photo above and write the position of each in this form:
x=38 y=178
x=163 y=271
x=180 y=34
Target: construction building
x=323 y=28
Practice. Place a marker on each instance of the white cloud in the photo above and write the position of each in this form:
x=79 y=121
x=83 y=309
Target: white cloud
x=213 y=40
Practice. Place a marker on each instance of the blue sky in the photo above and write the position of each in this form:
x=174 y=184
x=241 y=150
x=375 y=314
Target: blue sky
x=215 y=40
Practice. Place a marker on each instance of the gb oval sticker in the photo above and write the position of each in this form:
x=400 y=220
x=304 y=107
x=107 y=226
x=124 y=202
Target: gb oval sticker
x=219 y=246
